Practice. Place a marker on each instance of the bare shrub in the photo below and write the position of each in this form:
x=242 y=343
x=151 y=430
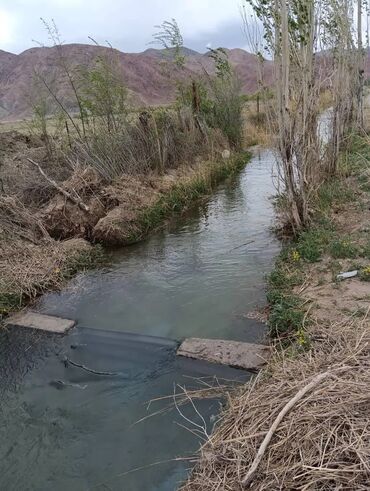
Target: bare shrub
x=152 y=141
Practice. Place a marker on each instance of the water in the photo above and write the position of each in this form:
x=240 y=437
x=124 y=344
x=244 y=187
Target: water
x=199 y=276
x=62 y=427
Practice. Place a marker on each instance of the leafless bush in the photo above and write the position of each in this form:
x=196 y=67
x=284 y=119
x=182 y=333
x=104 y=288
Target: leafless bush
x=151 y=141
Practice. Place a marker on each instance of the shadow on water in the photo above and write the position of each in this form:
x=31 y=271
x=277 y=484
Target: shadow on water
x=65 y=427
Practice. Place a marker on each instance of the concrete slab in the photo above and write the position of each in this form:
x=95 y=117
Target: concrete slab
x=249 y=356
x=43 y=322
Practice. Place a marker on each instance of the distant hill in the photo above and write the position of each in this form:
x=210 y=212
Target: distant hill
x=143 y=73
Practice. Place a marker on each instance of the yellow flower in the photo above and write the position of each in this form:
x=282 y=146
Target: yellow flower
x=301 y=338
x=57 y=270
x=296 y=256
x=366 y=270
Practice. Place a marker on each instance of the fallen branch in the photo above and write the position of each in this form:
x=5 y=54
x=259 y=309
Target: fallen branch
x=67 y=362
x=68 y=195
x=288 y=406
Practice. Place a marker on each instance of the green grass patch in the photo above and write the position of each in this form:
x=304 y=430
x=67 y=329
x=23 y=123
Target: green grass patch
x=286 y=314
x=333 y=192
x=83 y=261
x=312 y=243
x=356 y=157
x=343 y=249
x=187 y=192
x=9 y=302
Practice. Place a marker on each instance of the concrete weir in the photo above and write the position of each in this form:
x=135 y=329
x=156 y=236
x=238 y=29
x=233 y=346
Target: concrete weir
x=34 y=320
x=237 y=354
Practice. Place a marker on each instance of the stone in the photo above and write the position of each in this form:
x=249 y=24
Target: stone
x=43 y=322
x=236 y=354
x=226 y=154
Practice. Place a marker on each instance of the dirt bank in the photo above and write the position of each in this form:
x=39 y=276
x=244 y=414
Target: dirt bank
x=303 y=422
x=50 y=225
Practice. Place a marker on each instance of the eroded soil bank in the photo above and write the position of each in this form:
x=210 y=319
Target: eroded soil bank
x=47 y=237
x=322 y=325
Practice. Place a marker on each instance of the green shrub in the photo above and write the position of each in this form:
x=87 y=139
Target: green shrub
x=286 y=314
x=312 y=243
x=343 y=248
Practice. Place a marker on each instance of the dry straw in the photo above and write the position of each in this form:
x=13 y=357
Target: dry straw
x=302 y=424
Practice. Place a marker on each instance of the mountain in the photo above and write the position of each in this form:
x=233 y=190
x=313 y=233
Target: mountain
x=145 y=74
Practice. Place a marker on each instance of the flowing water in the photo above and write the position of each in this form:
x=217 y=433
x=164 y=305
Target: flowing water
x=63 y=427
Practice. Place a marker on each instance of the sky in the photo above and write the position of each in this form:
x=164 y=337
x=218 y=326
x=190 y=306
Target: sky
x=127 y=24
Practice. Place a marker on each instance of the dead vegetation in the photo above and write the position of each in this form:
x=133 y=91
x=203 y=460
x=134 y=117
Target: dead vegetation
x=28 y=269
x=322 y=443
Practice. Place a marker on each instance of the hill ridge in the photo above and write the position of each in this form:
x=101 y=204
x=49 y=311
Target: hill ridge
x=143 y=75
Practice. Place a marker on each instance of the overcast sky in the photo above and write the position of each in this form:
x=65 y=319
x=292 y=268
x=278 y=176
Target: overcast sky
x=127 y=24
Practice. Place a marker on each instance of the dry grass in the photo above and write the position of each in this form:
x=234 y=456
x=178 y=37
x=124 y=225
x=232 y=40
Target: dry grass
x=28 y=269
x=323 y=443
x=255 y=128
x=18 y=221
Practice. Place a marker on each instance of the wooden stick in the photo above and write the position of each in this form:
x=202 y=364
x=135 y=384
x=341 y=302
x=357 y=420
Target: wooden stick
x=68 y=195
x=288 y=406
x=67 y=362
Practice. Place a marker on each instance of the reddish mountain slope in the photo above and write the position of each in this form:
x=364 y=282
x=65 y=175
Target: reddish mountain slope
x=144 y=74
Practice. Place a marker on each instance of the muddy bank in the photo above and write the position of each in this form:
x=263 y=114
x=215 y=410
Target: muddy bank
x=307 y=411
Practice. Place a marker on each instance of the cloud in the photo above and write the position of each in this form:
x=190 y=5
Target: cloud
x=127 y=24
x=7 y=27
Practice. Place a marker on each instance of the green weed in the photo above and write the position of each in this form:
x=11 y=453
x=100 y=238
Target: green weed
x=187 y=192
x=365 y=273
x=343 y=248
x=312 y=243
x=286 y=314
x=333 y=192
